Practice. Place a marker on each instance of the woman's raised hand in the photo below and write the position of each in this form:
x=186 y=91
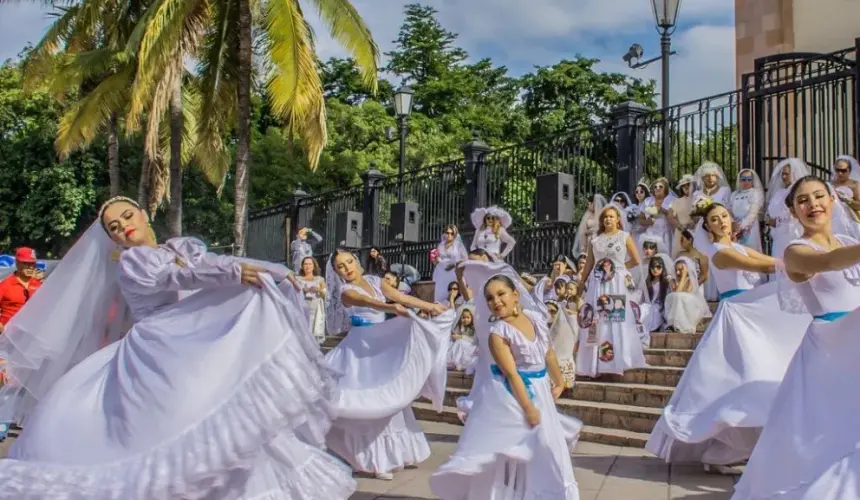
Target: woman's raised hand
x=436 y=309
x=251 y=275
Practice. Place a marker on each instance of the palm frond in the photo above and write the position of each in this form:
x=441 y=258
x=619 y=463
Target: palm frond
x=41 y=60
x=81 y=123
x=295 y=88
x=347 y=27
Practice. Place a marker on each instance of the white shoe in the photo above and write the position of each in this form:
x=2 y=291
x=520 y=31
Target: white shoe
x=724 y=470
x=384 y=476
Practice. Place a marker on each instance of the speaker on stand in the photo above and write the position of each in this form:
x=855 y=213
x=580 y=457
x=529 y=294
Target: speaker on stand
x=348 y=226
x=404 y=228
x=555 y=200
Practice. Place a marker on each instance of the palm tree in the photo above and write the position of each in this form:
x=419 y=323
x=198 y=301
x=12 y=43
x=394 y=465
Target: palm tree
x=225 y=31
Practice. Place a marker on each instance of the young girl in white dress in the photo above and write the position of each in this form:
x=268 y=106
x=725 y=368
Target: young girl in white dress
x=301 y=247
x=312 y=286
x=746 y=205
x=609 y=341
x=588 y=224
x=689 y=250
x=491 y=233
x=451 y=250
x=515 y=444
x=778 y=217
x=462 y=353
x=220 y=395
x=808 y=449
x=386 y=364
x=658 y=286
x=725 y=394
x=685 y=307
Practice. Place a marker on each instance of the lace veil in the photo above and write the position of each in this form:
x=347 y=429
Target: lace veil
x=855 y=167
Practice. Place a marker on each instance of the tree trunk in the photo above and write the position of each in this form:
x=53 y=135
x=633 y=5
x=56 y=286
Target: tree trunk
x=143 y=184
x=243 y=146
x=113 y=156
x=174 y=214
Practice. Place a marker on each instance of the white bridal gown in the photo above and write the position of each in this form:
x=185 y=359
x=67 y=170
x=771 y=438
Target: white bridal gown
x=314 y=306
x=442 y=276
x=498 y=457
x=202 y=399
x=723 y=399
x=492 y=242
x=615 y=344
x=386 y=364
x=808 y=449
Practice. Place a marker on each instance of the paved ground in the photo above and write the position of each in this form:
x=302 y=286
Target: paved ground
x=603 y=472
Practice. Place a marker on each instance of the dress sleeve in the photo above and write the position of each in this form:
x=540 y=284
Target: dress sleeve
x=149 y=270
x=509 y=242
x=754 y=212
x=474 y=245
x=317 y=239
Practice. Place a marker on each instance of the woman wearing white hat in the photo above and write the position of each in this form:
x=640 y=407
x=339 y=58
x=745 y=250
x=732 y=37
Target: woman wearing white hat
x=680 y=211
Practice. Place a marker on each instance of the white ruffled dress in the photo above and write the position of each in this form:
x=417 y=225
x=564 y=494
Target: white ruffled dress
x=442 y=276
x=498 y=456
x=314 y=306
x=809 y=447
x=222 y=394
x=723 y=399
x=386 y=365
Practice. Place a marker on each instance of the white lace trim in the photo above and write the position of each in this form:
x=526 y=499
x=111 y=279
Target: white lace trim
x=290 y=390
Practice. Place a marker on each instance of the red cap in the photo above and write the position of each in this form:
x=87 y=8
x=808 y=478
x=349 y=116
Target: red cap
x=26 y=255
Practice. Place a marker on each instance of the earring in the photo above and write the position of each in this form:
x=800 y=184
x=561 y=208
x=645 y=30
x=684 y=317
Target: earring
x=517 y=310
x=116 y=254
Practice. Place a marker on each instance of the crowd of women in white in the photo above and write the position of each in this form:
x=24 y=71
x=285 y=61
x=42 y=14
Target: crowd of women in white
x=166 y=372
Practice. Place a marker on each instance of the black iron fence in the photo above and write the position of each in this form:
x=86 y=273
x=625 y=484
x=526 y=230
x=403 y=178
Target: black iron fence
x=802 y=105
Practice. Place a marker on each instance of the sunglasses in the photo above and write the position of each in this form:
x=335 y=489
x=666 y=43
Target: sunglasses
x=449 y=232
x=842 y=170
x=657 y=266
x=746 y=179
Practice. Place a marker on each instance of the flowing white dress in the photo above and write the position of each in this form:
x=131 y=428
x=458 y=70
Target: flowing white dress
x=464 y=350
x=723 y=197
x=723 y=399
x=808 y=449
x=661 y=228
x=746 y=207
x=314 y=306
x=386 y=364
x=684 y=310
x=491 y=242
x=442 y=276
x=220 y=395
x=498 y=457
x=610 y=342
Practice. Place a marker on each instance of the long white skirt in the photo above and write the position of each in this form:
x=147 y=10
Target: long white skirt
x=462 y=353
x=441 y=279
x=498 y=457
x=724 y=397
x=315 y=310
x=685 y=310
x=809 y=447
x=223 y=394
x=385 y=367
x=617 y=346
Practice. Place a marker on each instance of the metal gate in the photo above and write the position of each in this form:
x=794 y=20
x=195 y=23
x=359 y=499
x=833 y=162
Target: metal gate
x=800 y=105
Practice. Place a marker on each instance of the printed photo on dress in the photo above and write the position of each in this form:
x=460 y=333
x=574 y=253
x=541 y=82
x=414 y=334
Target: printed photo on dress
x=585 y=317
x=605 y=270
x=637 y=313
x=604 y=307
x=612 y=308
x=629 y=283
x=591 y=338
x=607 y=352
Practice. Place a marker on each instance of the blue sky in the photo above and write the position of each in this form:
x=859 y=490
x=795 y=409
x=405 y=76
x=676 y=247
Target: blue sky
x=523 y=33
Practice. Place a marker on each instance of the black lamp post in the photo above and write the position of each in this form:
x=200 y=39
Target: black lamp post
x=665 y=17
x=402 y=108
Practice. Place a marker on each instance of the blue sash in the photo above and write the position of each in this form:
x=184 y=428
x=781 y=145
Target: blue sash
x=731 y=293
x=525 y=375
x=831 y=316
x=359 y=321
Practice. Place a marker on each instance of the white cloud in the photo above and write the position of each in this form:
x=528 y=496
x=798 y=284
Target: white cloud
x=521 y=34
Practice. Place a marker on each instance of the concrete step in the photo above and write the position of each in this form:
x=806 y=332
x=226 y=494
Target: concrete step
x=650 y=396
x=672 y=340
x=594 y=413
x=668 y=357
x=590 y=433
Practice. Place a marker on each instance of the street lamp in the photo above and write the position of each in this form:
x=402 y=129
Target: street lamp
x=665 y=17
x=402 y=108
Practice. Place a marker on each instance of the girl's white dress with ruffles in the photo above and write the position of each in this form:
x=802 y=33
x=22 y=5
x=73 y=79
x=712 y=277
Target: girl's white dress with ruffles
x=723 y=399
x=498 y=457
x=615 y=345
x=385 y=365
x=809 y=448
x=220 y=395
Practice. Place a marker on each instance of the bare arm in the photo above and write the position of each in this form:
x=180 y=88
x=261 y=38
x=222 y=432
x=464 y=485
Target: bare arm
x=589 y=266
x=322 y=288
x=504 y=358
x=465 y=291
x=351 y=298
x=673 y=219
x=553 y=369
x=730 y=258
x=706 y=269
x=632 y=252
x=508 y=241
x=802 y=262
x=401 y=298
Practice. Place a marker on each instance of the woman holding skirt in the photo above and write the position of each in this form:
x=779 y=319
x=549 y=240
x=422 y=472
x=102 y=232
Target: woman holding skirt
x=722 y=401
x=515 y=445
x=808 y=449
x=221 y=395
x=609 y=340
x=386 y=364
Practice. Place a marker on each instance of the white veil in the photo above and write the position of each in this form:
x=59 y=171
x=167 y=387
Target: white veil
x=599 y=202
x=623 y=195
x=757 y=184
x=798 y=169
x=458 y=244
x=77 y=311
x=625 y=224
x=852 y=162
x=758 y=200
x=707 y=168
x=692 y=272
x=479 y=273
x=336 y=319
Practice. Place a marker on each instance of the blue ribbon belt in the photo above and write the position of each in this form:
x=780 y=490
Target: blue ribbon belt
x=731 y=293
x=831 y=316
x=525 y=375
x=359 y=321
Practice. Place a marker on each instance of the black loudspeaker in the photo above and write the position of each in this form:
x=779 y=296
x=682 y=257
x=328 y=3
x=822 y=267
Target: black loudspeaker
x=348 y=229
x=555 y=198
x=404 y=221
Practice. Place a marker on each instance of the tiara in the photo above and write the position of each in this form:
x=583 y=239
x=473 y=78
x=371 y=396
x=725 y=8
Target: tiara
x=113 y=200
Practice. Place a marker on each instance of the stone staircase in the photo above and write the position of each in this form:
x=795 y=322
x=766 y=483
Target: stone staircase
x=616 y=410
